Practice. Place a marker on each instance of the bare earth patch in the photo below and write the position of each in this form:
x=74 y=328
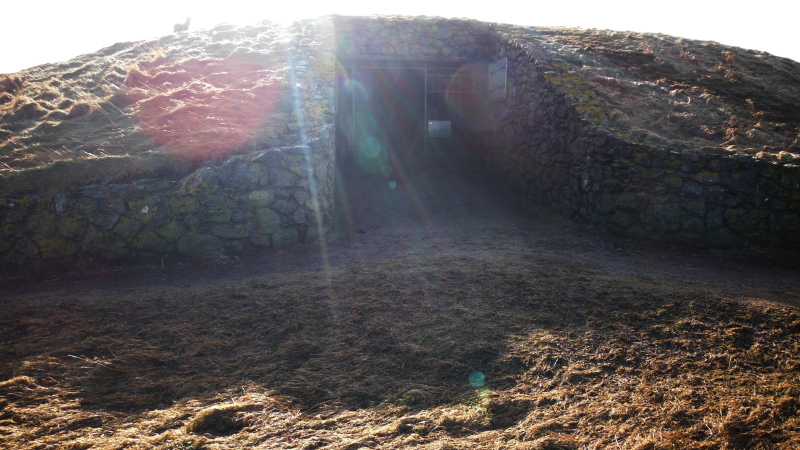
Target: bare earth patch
x=443 y=314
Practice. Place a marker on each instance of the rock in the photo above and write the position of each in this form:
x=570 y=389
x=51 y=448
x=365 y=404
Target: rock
x=231 y=230
x=104 y=219
x=198 y=244
x=284 y=237
x=691 y=189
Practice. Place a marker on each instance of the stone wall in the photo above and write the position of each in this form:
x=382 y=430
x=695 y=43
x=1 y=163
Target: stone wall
x=270 y=199
x=547 y=142
x=396 y=37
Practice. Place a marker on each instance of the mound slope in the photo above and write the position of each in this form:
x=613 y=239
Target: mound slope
x=160 y=107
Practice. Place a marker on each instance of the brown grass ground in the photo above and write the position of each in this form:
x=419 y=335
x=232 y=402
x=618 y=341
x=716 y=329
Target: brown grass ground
x=442 y=316
x=681 y=93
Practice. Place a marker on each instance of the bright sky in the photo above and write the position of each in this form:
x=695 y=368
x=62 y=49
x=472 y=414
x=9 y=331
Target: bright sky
x=48 y=31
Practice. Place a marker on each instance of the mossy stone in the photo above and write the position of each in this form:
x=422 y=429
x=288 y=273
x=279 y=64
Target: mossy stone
x=106 y=244
x=171 y=231
x=218 y=209
x=231 y=230
x=104 y=219
x=284 y=237
x=267 y=221
x=127 y=227
x=198 y=244
x=84 y=206
x=149 y=241
x=71 y=227
x=673 y=180
x=54 y=247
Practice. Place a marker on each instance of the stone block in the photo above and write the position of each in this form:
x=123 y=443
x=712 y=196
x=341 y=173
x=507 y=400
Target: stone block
x=693 y=225
x=664 y=217
x=103 y=243
x=282 y=178
x=171 y=231
x=720 y=196
x=127 y=227
x=84 y=206
x=673 y=180
x=623 y=219
x=696 y=207
x=240 y=175
x=739 y=181
x=266 y=221
x=714 y=219
x=61 y=204
x=720 y=163
x=54 y=247
x=124 y=191
x=707 y=178
x=785 y=222
x=217 y=209
x=96 y=191
x=104 y=219
x=284 y=237
x=691 y=189
x=747 y=220
x=632 y=202
x=201 y=181
x=231 y=230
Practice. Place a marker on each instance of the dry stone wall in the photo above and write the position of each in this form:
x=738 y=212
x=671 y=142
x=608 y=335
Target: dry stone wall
x=411 y=39
x=270 y=199
x=544 y=142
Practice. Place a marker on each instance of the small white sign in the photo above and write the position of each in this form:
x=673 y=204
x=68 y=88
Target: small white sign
x=440 y=128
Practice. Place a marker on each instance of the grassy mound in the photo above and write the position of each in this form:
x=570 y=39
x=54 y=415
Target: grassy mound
x=160 y=108
x=681 y=93
x=144 y=109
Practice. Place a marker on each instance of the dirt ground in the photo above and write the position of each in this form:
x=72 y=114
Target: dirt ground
x=444 y=312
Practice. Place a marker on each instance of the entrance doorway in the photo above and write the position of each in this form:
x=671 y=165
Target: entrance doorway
x=395 y=117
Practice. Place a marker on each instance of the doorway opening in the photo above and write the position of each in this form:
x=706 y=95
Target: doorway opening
x=395 y=117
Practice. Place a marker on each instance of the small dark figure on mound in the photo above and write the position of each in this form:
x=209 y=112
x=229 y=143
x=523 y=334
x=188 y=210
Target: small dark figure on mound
x=182 y=26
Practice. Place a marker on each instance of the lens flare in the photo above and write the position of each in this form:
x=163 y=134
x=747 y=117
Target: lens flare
x=201 y=109
x=463 y=98
x=477 y=379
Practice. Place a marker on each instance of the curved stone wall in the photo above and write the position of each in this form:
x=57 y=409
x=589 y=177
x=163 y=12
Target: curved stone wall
x=270 y=199
x=544 y=143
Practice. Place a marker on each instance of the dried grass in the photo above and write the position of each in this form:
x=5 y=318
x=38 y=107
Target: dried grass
x=647 y=78
x=137 y=103
x=379 y=356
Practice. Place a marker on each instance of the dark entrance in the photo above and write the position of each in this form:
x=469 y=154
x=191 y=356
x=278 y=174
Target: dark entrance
x=394 y=117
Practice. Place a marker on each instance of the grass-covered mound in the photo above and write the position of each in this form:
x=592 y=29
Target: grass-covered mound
x=159 y=108
x=143 y=109
x=675 y=92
